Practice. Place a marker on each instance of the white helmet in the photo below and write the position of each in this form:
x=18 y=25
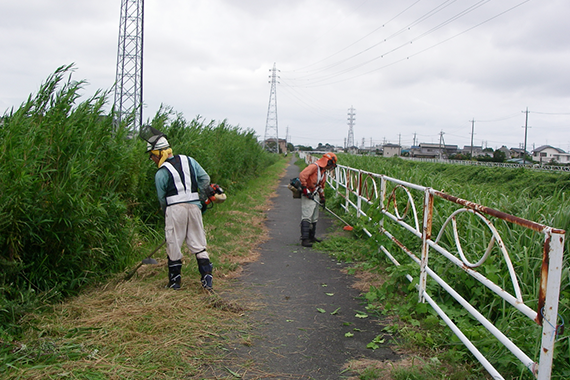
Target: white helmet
x=157 y=143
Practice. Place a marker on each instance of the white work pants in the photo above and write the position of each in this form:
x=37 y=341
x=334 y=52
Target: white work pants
x=183 y=223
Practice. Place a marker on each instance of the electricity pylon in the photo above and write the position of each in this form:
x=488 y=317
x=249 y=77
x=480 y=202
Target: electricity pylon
x=129 y=74
x=351 y=119
x=271 y=133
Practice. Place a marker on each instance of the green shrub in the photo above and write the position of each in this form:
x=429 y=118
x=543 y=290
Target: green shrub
x=77 y=191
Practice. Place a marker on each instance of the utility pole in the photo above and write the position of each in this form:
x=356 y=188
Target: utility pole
x=351 y=119
x=129 y=74
x=525 y=135
x=472 y=130
x=271 y=132
x=415 y=138
x=441 y=147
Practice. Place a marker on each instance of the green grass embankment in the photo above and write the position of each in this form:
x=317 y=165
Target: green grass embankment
x=536 y=196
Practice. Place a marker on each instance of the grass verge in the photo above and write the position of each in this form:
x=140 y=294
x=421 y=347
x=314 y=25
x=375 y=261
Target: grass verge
x=421 y=339
x=137 y=329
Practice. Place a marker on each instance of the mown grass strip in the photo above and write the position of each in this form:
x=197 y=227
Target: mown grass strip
x=138 y=329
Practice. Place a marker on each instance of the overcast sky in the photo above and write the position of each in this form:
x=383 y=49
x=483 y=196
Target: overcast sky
x=423 y=68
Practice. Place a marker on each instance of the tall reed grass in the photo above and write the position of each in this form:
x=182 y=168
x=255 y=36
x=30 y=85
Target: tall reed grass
x=64 y=171
x=77 y=191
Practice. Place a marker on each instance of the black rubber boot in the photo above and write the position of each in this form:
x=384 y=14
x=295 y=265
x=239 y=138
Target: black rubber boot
x=305 y=234
x=174 y=277
x=312 y=233
x=205 y=268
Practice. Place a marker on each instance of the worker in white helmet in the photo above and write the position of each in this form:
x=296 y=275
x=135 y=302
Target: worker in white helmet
x=179 y=180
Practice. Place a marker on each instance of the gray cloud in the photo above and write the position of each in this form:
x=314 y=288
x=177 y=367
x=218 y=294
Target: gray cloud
x=407 y=67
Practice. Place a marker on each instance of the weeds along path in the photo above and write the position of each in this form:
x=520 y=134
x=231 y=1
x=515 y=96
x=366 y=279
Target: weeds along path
x=304 y=308
x=285 y=317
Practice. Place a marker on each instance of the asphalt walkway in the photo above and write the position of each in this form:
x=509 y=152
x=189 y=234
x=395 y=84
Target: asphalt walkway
x=306 y=303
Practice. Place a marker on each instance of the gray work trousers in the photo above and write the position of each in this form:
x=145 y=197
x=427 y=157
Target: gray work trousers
x=309 y=210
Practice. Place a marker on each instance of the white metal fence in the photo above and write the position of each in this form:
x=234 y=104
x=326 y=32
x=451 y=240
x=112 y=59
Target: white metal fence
x=512 y=165
x=369 y=193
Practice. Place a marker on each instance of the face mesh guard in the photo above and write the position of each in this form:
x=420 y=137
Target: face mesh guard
x=150 y=135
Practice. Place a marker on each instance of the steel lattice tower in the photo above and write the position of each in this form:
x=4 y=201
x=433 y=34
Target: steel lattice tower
x=351 y=119
x=129 y=76
x=271 y=132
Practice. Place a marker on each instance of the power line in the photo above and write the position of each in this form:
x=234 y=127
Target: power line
x=418 y=21
x=319 y=37
x=499 y=119
x=549 y=113
x=357 y=41
x=306 y=103
x=331 y=76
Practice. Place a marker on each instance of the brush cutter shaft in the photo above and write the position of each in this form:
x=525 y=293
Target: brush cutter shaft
x=141 y=263
x=332 y=213
x=156 y=249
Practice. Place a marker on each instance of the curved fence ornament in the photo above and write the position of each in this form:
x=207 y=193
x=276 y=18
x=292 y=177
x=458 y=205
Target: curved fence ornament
x=392 y=201
x=368 y=189
x=496 y=237
x=350 y=184
x=340 y=176
x=353 y=181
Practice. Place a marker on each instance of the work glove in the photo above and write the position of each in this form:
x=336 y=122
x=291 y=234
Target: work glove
x=323 y=201
x=307 y=193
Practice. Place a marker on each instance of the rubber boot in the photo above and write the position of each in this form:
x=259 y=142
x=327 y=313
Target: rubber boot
x=205 y=268
x=312 y=233
x=305 y=233
x=174 y=277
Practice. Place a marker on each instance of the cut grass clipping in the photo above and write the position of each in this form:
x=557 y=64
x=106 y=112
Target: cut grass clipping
x=137 y=329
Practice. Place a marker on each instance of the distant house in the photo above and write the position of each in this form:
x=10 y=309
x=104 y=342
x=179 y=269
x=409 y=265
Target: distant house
x=474 y=150
x=282 y=144
x=427 y=150
x=391 y=150
x=546 y=153
x=517 y=153
x=506 y=151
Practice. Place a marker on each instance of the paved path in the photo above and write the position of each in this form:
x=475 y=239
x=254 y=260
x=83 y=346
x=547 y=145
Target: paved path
x=291 y=283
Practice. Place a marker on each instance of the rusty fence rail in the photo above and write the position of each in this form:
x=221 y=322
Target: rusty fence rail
x=366 y=193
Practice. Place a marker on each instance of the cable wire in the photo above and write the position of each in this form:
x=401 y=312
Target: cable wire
x=319 y=82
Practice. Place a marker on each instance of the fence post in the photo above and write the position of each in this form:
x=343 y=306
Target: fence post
x=426 y=235
x=358 y=194
x=554 y=250
x=347 y=189
x=336 y=178
x=382 y=200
